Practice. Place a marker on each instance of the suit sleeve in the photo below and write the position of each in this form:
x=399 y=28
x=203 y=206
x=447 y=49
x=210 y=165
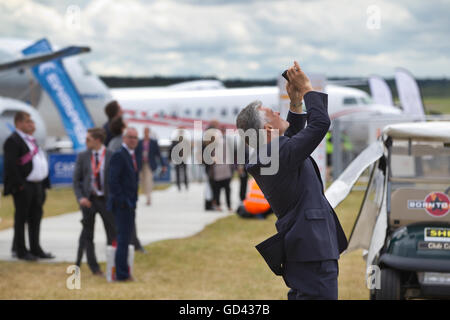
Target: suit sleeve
x=78 y=179
x=296 y=121
x=11 y=166
x=158 y=154
x=304 y=142
x=115 y=186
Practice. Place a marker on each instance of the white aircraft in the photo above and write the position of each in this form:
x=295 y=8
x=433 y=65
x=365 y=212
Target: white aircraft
x=14 y=98
x=166 y=108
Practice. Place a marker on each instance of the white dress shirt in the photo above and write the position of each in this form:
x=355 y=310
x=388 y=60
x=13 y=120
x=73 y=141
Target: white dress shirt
x=39 y=169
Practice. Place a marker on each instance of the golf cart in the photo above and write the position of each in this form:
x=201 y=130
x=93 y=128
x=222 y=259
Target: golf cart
x=404 y=221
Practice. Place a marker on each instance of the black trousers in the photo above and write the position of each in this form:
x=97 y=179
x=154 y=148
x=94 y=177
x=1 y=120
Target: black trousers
x=178 y=168
x=315 y=280
x=125 y=221
x=86 y=241
x=134 y=239
x=243 y=186
x=218 y=185
x=28 y=210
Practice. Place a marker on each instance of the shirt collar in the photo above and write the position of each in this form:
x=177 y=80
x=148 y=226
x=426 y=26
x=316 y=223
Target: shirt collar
x=25 y=136
x=100 y=151
x=22 y=134
x=131 y=152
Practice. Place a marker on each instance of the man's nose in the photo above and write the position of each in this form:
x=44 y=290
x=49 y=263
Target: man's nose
x=277 y=113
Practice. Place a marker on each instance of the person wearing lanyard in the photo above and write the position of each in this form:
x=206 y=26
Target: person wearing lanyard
x=26 y=178
x=90 y=184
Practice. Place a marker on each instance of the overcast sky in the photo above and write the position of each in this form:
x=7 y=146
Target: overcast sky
x=242 y=39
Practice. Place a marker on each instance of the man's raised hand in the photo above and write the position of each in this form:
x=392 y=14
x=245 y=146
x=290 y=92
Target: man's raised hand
x=299 y=79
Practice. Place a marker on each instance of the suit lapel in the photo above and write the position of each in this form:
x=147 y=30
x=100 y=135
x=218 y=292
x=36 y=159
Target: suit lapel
x=316 y=168
x=23 y=145
x=127 y=156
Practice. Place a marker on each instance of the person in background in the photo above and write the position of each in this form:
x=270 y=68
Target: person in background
x=181 y=168
x=26 y=178
x=222 y=171
x=210 y=202
x=123 y=195
x=241 y=151
x=112 y=110
x=90 y=184
x=117 y=127
x=150 y=157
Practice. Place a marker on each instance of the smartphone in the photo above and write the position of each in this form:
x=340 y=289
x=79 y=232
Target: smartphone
x=284 y=74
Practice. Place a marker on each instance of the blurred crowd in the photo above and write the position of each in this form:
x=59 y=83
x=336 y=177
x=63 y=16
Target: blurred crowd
x=106 y=181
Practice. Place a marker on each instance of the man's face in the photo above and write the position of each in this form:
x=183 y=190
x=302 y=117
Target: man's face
x=90 y=142
x=131 y=138
x=32 y=127
x=26 y=125
x=274 y=120
x=146 y=132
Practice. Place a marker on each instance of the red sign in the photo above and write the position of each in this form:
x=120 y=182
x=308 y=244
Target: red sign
x=436 y=204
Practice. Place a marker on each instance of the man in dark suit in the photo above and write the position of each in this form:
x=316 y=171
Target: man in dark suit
x=310 y=237
x=149 y=158
x=90 y=184
x=123 y=195
x=26 y=178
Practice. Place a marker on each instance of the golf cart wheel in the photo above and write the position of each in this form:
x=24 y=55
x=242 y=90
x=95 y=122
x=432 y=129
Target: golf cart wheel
x=390 y=285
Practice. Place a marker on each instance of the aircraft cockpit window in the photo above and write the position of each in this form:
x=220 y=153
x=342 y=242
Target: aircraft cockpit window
x=350 y=101
x=174 y=114
x=187 y=112
x=364 y=100
x=162 y=114
x=199 y=113
x=224 y=112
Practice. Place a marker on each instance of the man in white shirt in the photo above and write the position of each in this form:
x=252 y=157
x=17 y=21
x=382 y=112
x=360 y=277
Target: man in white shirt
x=26 y=178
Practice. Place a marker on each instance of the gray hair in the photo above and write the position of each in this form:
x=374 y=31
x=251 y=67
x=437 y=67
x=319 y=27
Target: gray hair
x=250 y=118
x=128 y=129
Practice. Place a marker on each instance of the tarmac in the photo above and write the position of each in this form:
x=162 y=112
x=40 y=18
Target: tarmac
x=173 y=214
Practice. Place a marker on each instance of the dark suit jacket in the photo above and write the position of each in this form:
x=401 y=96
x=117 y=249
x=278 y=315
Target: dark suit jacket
x=15 y=174
x=123 y=181
x=82 y=185
x=154 y=155
x=311 y=229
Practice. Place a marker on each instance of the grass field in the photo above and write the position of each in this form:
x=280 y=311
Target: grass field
x=437 y=104
x=58 y=201
x=218 y=263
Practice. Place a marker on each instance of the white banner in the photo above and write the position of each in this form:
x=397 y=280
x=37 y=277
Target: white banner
x=409 y=93
x=380 y=92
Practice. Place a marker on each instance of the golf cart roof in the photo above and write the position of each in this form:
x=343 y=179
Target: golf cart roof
x=431 y=131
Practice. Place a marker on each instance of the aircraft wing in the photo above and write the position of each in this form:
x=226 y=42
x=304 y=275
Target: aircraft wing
x=32 y=60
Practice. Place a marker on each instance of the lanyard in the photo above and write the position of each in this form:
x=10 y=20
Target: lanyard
x=96 y=169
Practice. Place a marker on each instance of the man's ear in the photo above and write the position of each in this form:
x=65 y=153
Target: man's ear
x=268 y=126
